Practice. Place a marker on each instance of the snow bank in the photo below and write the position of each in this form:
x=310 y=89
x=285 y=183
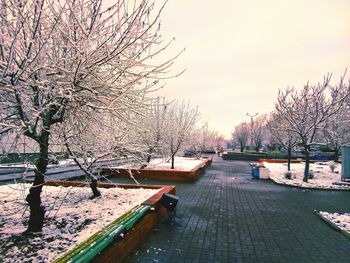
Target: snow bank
x=71 y=217
x=323 y=177
x=340 y=220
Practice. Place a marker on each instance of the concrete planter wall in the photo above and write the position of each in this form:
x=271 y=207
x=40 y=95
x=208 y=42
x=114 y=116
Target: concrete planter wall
x=120 y=248
x=278 y=161
x=243 y=156
x=160 y=174
x=234 y=156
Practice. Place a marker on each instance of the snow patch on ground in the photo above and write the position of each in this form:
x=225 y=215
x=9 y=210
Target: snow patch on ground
x=340 y=220
x=65 y=162
x=323 y=176
x=71 y=217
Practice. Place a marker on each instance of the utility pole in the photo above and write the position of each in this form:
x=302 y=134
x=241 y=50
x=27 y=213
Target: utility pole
x=251 y=126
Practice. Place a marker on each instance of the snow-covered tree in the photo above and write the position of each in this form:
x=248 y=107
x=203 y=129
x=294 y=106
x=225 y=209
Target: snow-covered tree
x=220 y=142
x=278 y=128
x=202 y=139
x=272 y=143
x=152 y=128
x=337 y=131
x=259 y=131
x=241 y=135
x=306 y=112
x=181 y=120
x=215 y=142
x=97 y=138
x=64 y=57
x=205 y=139
x=195 y=142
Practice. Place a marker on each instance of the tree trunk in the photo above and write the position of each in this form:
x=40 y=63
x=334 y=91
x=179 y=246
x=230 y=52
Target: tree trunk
x=149 y=154
x=242 y=148
x=149 y=158
x=37 y=210
x=289 y=157
x=336 y=156
x=307 y=163
x=95 y=191
x=172 y=161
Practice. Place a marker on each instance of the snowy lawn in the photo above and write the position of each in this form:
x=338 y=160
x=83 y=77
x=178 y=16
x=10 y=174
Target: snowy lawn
x=65 y=162
x=71 y=217
x=340 y=220
x=181 y=164
x=323 y=176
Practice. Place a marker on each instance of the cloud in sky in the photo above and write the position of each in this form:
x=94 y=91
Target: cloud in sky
x=239 y=53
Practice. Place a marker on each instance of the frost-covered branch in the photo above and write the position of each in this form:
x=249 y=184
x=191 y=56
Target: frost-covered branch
x=61 y=60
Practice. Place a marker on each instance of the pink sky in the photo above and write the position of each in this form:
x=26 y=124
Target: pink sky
x=239 y=53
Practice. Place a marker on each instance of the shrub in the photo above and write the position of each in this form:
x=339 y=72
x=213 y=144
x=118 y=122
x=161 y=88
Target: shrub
x=311 y=174
x=288 y=175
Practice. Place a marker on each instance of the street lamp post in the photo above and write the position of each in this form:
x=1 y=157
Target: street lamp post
x=251 y=126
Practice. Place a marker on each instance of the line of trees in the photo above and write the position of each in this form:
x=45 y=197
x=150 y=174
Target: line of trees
x=171 y=128
x=252 y=134
x=80 y=74
x=318 y=114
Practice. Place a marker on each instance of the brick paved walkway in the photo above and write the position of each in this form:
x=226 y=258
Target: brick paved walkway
x=226 y=216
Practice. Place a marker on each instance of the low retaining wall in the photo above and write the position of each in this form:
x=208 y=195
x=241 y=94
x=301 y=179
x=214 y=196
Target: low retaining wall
x=279 y=161
x=160 y=174
x=242 y=156
x=286 y=161
x=120 y=249
x=333 y=225
x=235 y=156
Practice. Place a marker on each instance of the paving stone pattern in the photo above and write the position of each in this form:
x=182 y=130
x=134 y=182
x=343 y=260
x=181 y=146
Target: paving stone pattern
x=227 y=216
